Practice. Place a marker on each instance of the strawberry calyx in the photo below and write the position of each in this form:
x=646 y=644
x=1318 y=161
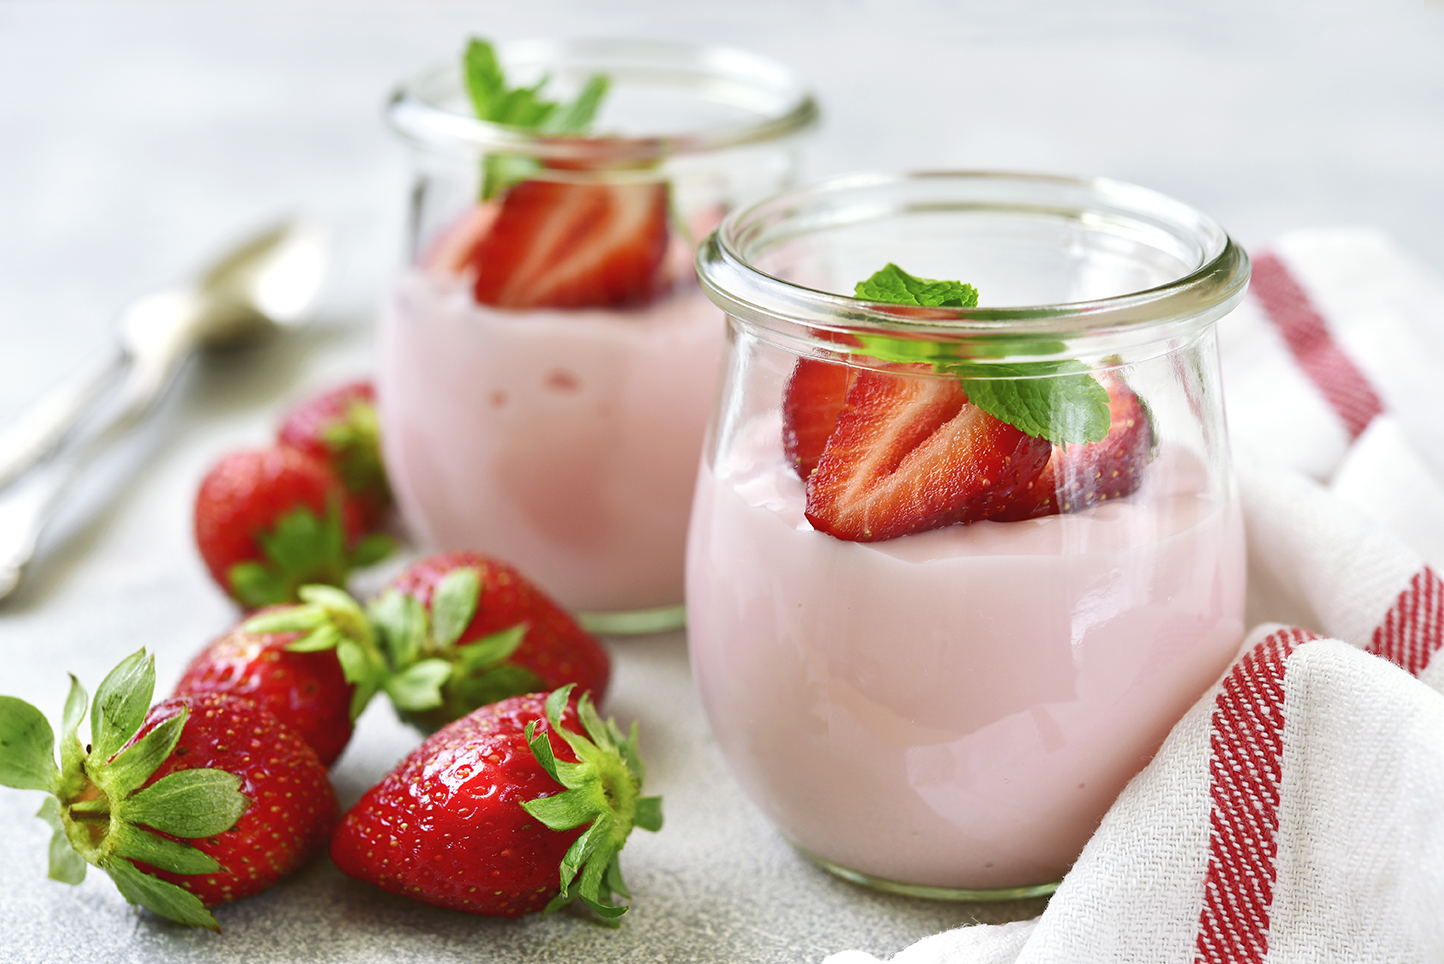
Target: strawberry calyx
x=301 y=548
x=603 y=790
x=397 y=647
x=331 y=619
x=435 y=680
x=99 y=806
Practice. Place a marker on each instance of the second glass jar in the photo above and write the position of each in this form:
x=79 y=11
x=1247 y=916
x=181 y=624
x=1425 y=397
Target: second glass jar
x=560 y=429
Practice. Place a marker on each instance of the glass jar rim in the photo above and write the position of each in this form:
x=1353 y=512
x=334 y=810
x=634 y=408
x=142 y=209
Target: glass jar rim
x=726 y=268
x=417 y=111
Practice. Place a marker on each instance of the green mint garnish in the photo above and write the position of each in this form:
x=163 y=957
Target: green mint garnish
x=522 y=108
x=895 y=286
x=1059 y=401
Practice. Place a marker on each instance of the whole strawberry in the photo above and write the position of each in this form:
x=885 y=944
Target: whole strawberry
x=306 y=690
x=270 y=520
x=197 y=801
x=339 y=427
x=494 y=631
x=505 y=812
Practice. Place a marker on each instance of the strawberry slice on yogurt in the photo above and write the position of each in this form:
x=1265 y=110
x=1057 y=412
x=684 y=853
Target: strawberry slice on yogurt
x=910 y=453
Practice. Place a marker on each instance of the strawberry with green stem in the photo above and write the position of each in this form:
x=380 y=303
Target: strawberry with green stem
x=339 y=426
x=268 y=521
x=452 y=632
x=190 y=803
x=521 y=806
x=306 y=690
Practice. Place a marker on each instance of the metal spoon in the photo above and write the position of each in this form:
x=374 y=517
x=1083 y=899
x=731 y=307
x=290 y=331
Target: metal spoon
x=268 y=282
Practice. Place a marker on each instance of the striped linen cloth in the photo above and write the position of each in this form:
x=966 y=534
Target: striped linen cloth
x=1297 y=812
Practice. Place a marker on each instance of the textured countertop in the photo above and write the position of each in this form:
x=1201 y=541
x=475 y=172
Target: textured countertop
x=137 y=138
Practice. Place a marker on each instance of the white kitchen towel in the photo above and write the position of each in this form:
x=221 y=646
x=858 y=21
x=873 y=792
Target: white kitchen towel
x=1297 y=812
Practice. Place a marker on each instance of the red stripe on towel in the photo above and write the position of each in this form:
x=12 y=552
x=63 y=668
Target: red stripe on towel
x=1413 y=630
x=1245 y=742
x=1304 y=330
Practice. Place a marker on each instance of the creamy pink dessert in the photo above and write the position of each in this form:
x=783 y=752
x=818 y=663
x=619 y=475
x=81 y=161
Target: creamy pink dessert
x=563 y=441
x=955 y=708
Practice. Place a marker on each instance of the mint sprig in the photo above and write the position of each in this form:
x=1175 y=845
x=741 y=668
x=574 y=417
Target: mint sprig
x=1059 y=401
x=523 y=108
x=894 y=286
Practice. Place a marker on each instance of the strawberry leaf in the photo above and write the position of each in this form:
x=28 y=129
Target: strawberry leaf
x=371 y=550
x=72 y=753
x=418 y=687
x=188 y=803
x=294 y=619
x=133 y=765
x=138 y=843
x=454 y=604
x=494 y=684
x=159 y=896
x=489 y=650
x=400 y=622
x=648 y=814
x=66 y=865
x=27 y=747
x=255 y=585
x=121 y=703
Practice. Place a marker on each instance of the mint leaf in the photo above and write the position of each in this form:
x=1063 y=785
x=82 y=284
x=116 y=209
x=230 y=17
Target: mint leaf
x=894 y=286
x=1059 y=401
x=522 y=108
x=1065 y=405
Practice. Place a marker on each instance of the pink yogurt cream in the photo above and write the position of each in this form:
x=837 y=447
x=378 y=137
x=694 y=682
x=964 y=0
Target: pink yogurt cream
x=564 y=442
x=956 y=708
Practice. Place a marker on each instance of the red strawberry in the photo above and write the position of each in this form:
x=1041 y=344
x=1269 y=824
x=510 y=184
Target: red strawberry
x=557 y=244
x=505 y=812
x=339 y=427
x=200 y=800
x=304 y=690
x=498 y=634
x=1078 y=476
x=269 y=520
x=910 y=453
x=811 y=402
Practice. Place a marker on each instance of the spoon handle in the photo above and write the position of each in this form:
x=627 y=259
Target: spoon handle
x=35 y=435
x=27 y=507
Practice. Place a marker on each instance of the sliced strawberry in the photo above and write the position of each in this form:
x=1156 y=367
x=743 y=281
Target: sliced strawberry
x=811 y=402
x=563 y=245
x=910 y=453
x=1078 y=476
x=454 y=249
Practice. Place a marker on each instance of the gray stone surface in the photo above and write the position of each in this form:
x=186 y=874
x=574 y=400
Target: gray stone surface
x=137 y=136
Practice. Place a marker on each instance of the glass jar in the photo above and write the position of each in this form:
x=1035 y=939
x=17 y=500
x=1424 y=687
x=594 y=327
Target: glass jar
x=946 y=705
x=560 y=431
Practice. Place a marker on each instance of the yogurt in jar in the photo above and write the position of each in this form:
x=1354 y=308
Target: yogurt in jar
x=955 y=708
x=563 y=441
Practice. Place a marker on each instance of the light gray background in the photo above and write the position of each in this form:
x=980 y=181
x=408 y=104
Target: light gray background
x=136 y=138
